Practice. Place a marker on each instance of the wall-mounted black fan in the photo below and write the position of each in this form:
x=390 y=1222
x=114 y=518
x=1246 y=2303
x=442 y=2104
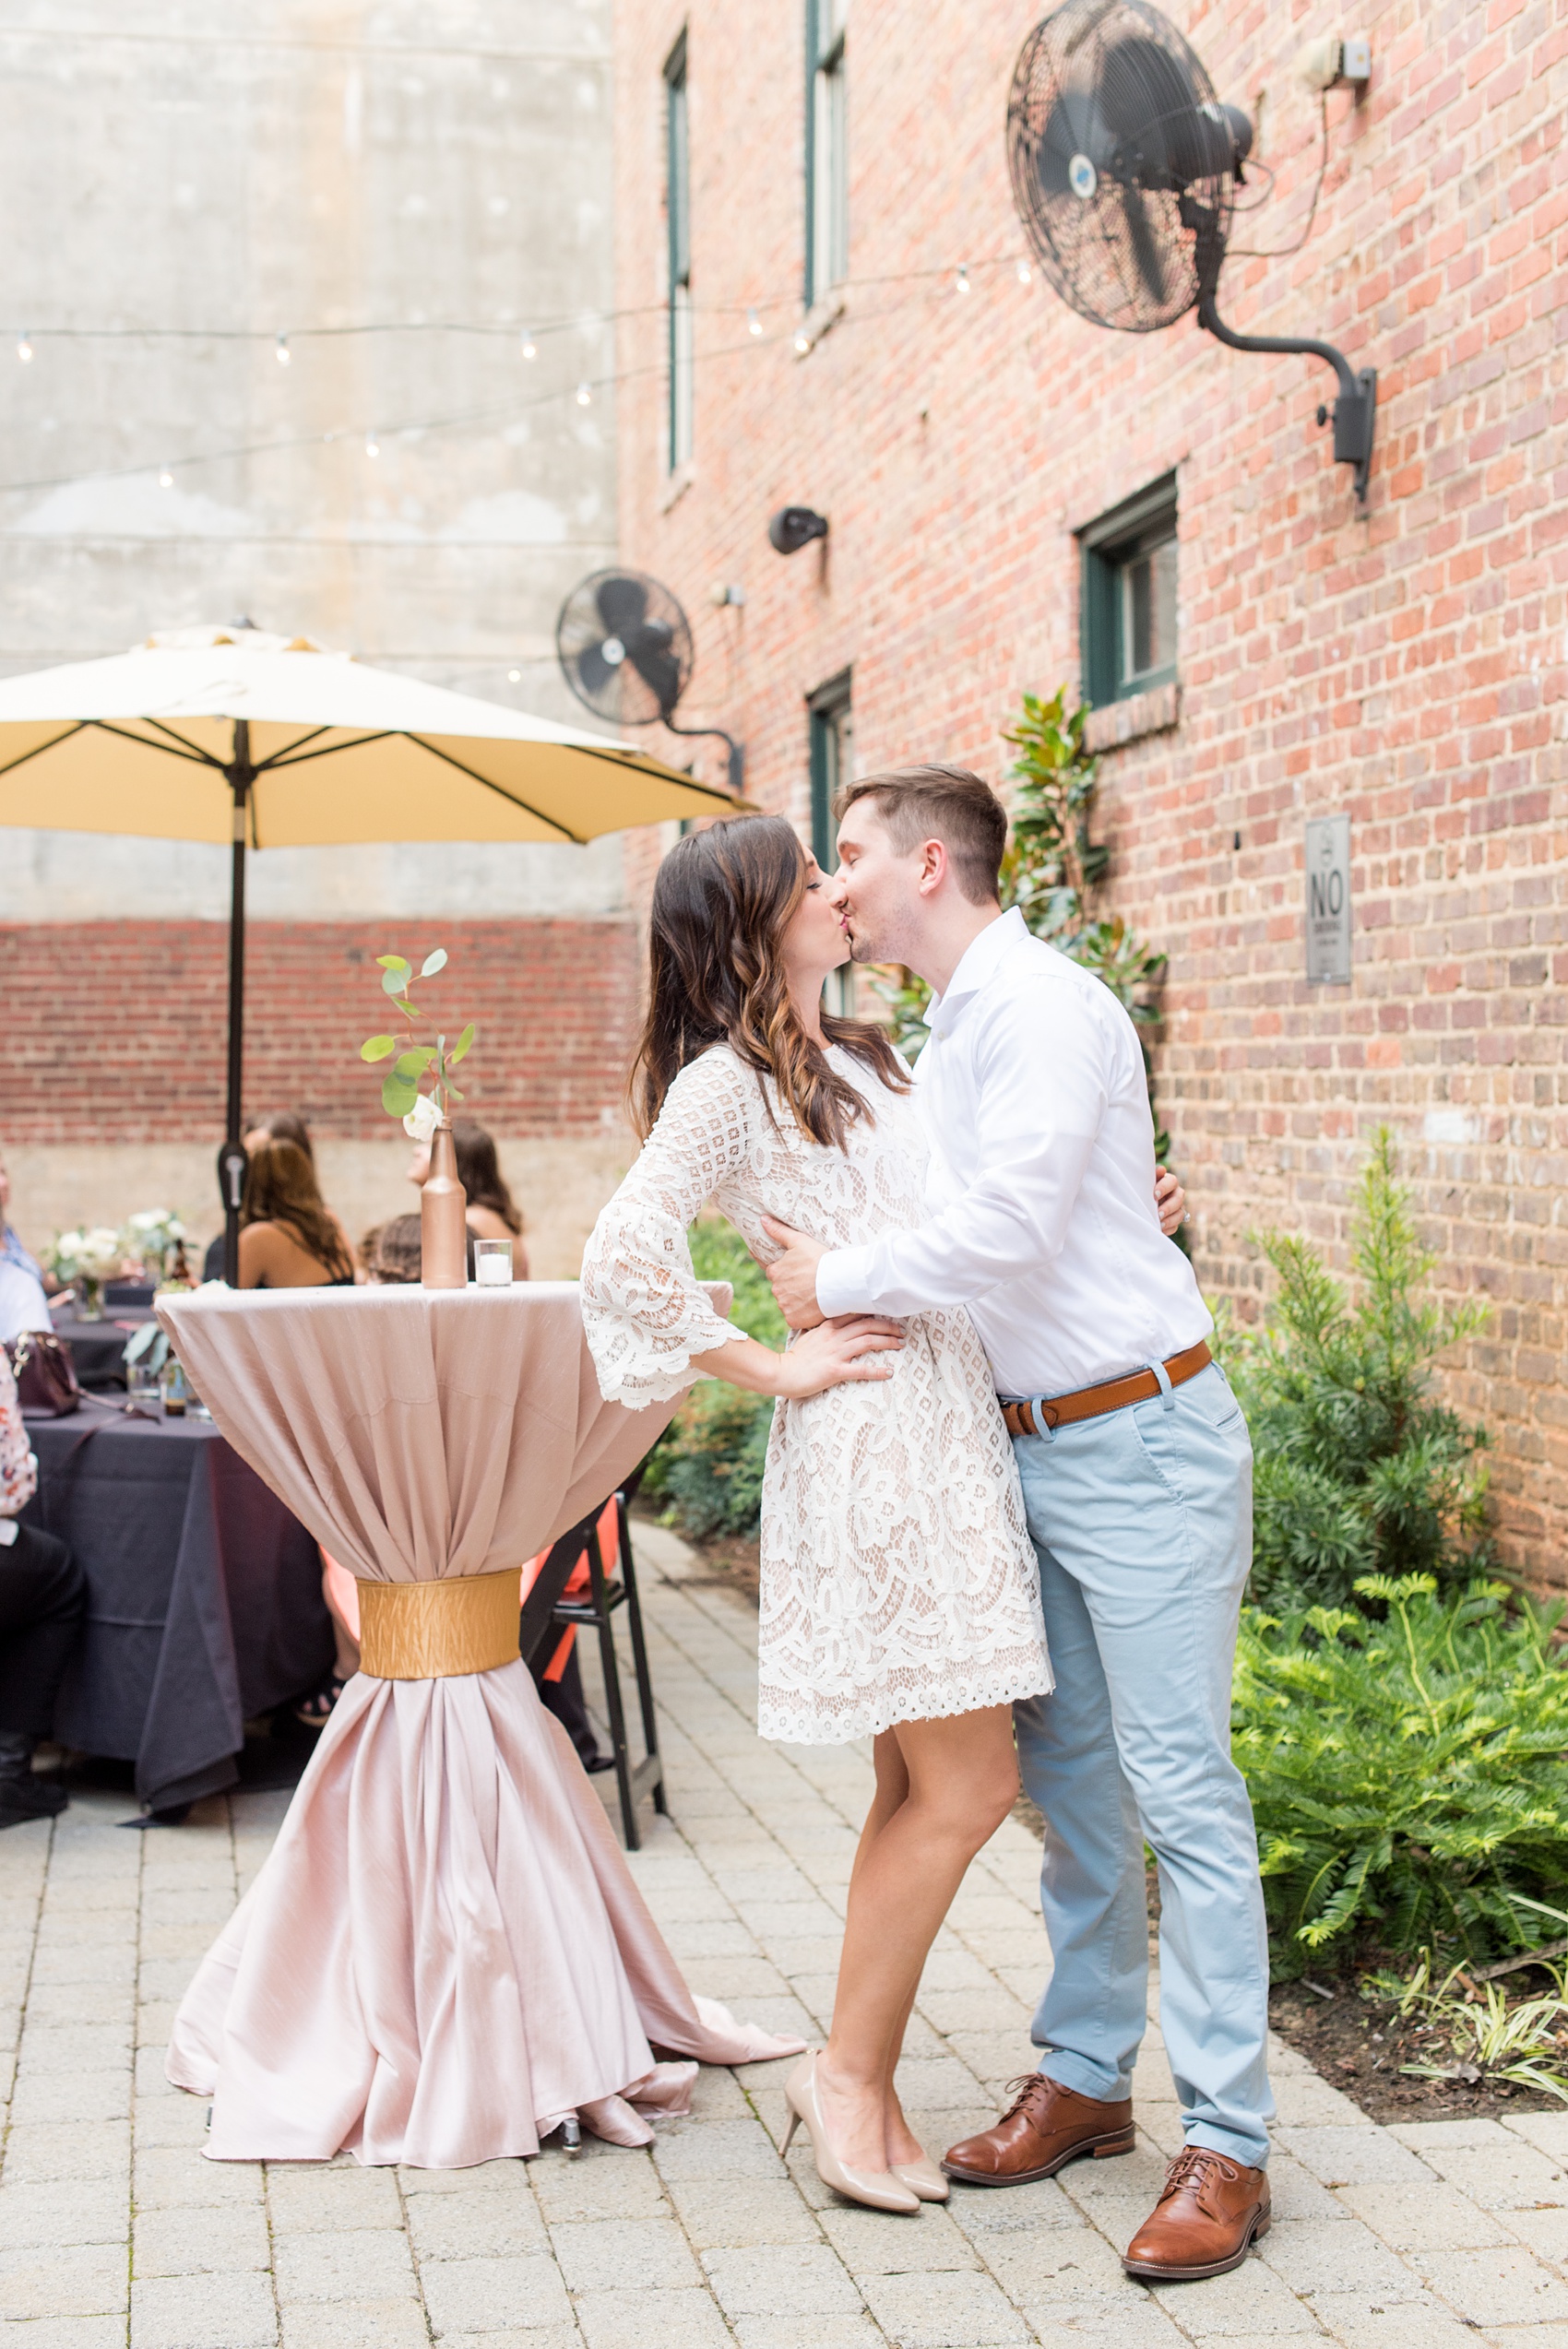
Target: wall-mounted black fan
x=624 y=647
x=1125 y=166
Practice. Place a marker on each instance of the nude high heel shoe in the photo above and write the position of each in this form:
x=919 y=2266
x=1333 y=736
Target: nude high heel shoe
x=878 y=2189
x=922 y=2178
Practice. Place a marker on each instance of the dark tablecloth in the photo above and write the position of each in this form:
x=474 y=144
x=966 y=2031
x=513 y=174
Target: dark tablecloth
x=98 y=1347
x=203 y=1603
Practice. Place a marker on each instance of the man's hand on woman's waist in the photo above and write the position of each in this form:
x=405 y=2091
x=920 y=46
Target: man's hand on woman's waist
x=792 y=1274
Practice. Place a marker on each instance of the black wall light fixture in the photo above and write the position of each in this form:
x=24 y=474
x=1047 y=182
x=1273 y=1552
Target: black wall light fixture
x=794 y=527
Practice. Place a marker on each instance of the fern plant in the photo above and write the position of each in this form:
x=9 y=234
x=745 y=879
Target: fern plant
x=1358 y=1469
x=1407 y=1774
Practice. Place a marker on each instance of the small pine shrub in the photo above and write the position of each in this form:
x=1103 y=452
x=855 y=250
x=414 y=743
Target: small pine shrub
x=1408 y=1774
x=706 y=1470
x=1358 y=1470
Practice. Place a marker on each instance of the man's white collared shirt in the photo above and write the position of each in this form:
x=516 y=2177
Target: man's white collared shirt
x=1039 y=1197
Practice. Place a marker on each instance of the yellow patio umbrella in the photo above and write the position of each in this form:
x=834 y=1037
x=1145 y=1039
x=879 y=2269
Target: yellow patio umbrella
x=235 y=736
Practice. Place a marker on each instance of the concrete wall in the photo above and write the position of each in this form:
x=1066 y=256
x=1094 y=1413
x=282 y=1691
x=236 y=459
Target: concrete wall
x=559 y=1184
x=225 y=177
x=264 y=170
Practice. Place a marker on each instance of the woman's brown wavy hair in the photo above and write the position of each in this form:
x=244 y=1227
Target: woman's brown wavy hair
x=280 y=1188
x=721 y=904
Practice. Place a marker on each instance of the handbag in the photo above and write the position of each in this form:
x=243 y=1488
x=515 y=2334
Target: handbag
x=45 y=1374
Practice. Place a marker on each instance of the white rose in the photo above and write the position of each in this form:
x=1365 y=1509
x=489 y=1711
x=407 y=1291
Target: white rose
x=422 y=1119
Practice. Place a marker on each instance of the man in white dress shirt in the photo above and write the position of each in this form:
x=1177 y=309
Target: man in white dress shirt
x=1137 y=1473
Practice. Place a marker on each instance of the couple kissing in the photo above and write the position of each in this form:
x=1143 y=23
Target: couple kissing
x=1006 y=1513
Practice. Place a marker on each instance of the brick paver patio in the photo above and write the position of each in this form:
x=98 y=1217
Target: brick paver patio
x=113 y=2228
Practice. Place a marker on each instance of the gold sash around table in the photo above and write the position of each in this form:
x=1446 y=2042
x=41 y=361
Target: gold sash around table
x=435 y=1631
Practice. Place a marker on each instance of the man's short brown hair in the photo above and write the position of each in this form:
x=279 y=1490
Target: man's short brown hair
x=945 y=804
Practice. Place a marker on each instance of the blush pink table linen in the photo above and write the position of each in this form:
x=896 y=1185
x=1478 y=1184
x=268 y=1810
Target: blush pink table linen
x=444 y=1954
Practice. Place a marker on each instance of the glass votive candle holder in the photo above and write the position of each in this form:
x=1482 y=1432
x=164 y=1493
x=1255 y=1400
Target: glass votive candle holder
x=492 y=1263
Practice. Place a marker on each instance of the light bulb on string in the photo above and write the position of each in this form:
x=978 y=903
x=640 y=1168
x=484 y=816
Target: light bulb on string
x=963 y=284
x=372 y=445
x=24 y=349
x=802 y=343
x=530 y=347
x=165 y=479
x=753 y=324
x=584 y=396
x=280 y=350
x=514 y=676
x=1026 y=275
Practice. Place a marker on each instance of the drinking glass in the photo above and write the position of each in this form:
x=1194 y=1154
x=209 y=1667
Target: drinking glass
x=492 y=1263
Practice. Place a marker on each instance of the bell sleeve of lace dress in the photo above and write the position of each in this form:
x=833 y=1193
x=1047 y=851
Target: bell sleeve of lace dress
x=643 y=1309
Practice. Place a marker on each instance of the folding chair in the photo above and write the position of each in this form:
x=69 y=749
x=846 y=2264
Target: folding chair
x=549 y=1605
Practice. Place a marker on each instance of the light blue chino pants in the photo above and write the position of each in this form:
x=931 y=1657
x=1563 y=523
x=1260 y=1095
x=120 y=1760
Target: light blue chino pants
x=1142 y=1520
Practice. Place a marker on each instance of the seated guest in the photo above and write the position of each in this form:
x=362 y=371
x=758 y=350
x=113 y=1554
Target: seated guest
x=288 y=1239
x=23 y=1305
x=391 y=1253
x=282 y=1125
x=491 y=1210
x=42 y=1601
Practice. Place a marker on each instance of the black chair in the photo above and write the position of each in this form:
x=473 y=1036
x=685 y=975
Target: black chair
x=548 y=1610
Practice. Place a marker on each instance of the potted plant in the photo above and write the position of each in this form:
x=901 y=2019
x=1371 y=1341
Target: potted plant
x=444 y=1238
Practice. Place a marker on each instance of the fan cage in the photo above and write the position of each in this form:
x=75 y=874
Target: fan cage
x=1114 y=81
x=647 y=624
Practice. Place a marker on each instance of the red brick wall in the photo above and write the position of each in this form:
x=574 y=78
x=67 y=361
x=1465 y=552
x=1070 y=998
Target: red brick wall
x=116 y=1031
x=1407 y=666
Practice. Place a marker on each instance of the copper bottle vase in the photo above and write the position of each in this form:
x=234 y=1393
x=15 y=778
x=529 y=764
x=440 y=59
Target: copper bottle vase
x=444 y=1232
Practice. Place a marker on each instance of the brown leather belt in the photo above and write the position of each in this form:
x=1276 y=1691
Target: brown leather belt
x=1090 y=1402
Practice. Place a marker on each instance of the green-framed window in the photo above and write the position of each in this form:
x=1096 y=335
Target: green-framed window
x=832 y=723
x=1127 y=610
x=678 y=209
x=827 y=148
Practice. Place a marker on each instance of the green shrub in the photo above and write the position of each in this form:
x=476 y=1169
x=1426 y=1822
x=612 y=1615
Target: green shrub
x=1359 y=1471
x=706 y=1468
x=1408 y=1774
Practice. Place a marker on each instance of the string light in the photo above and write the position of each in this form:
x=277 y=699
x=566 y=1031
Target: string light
x=514 y=676
x=530 y=347
x=584 y=395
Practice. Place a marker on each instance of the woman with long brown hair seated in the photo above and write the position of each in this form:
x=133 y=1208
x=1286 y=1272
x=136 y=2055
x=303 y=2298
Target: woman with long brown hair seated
x=289 y=1239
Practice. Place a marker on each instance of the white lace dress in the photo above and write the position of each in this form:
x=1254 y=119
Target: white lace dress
x=898 y=1583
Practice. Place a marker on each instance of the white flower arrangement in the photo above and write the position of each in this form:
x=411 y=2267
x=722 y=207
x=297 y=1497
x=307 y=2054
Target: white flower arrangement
x=152 y=1234
x=92 y=1254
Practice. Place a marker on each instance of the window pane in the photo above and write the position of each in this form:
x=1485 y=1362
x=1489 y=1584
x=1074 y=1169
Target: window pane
x=1149 y=612
x=830 y=175
x=681 y=371
x=1163 y=606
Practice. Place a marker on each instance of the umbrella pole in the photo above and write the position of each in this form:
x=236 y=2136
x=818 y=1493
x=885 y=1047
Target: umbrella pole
x=232 y=1157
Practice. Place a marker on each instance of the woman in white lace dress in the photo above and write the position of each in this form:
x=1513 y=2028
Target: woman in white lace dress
x=899 y=1589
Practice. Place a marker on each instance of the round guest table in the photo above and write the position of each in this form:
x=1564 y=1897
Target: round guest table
x=445 y=1955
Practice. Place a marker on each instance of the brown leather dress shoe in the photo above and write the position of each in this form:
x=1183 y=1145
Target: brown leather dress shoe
x=1045 y=2127
x=1210 y=2214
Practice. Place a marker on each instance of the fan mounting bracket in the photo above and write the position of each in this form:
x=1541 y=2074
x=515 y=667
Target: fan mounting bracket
x=1355 y=411
x=716 y=734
